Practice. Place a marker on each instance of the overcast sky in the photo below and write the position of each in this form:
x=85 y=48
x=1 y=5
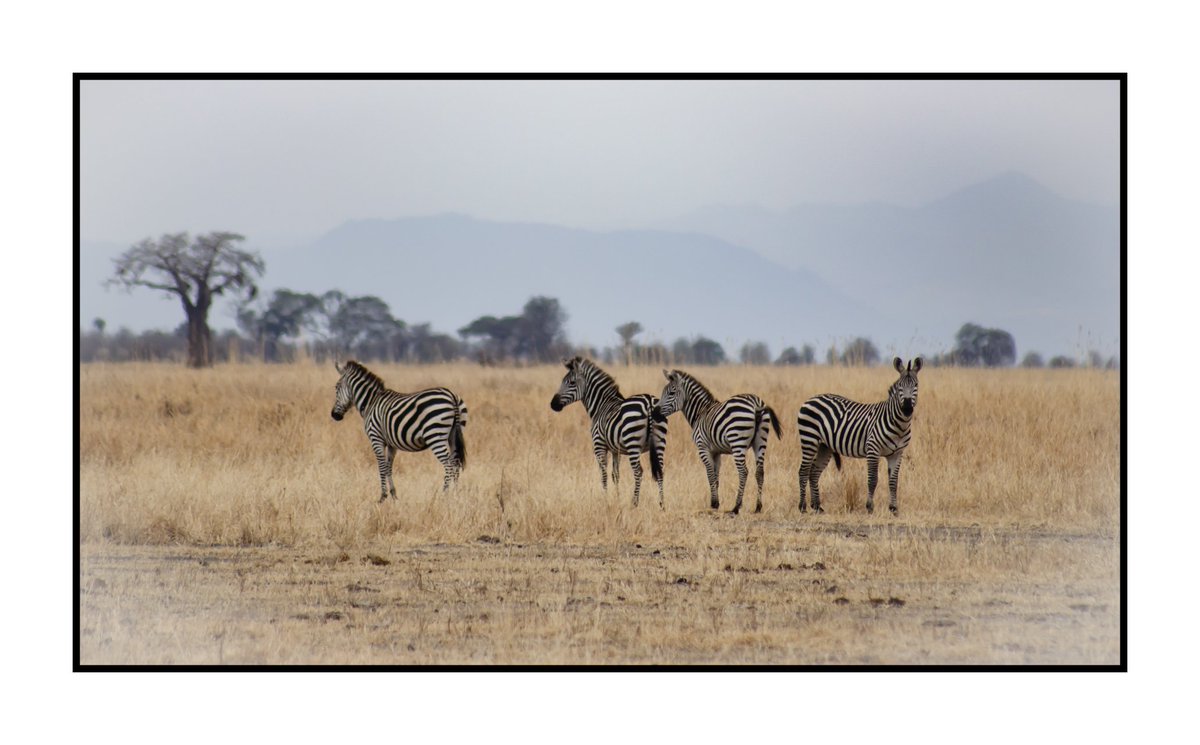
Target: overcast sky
x=285 y=161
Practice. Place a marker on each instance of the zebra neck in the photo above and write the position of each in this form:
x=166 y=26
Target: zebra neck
x=597 y=400
x=892 y=409
x=364 y=396
x=695 y=406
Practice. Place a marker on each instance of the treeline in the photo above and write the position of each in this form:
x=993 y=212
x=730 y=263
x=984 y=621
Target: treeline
x=291 y=325
x=976 y=346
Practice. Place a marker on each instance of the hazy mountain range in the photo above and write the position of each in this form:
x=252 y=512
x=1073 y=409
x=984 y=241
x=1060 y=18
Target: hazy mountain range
x=1004 y=253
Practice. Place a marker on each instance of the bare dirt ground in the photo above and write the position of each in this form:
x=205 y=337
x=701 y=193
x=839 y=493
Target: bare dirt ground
x=771 y=593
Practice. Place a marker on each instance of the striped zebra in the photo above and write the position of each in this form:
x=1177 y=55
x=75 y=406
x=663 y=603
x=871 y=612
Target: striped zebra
x=834 y=426
x=412 y=422
x=735 y=426
x=620 y=425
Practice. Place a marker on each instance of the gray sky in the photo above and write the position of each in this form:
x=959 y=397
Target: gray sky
x=285 y=161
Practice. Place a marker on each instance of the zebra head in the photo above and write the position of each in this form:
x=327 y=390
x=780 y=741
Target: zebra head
x=343 y=393
x=569 y=390
x=671 y=399
x=903 y=392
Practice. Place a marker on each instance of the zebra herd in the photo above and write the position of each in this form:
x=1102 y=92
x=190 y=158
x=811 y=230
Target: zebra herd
x=830 y=426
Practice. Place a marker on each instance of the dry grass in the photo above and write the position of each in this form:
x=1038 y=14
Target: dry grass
x=225 y=518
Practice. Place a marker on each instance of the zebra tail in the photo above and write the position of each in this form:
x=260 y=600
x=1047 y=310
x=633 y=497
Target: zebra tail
x=656 y=469
x=837 y=459
x=456 y=436
x=774 y=420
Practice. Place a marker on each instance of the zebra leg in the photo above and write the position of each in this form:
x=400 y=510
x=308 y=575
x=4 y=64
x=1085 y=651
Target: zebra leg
x=391 y=461
x=739 y=460
x=808 y=454
x=893 y=462
x=759 y=474
x=385 y=468
x=602 y=459
x=660 y=439
x=635 y=463
x=814 y=475
x=445 y=456
x=616 y=470
x=712 y=466
x=760 y=454
x=659 y=431
x=872 y=479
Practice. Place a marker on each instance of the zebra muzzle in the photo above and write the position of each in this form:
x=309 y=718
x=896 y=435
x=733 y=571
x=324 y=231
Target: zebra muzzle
x=657 y=415
x=337 y=415
x=556 y=403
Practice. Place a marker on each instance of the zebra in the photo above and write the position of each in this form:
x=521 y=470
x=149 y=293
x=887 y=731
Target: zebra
x=620 y=425
x=735 y=426
x=832 y=425
x=412 y=422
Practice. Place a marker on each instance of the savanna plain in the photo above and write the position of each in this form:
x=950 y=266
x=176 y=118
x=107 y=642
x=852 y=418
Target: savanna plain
x=225 y=518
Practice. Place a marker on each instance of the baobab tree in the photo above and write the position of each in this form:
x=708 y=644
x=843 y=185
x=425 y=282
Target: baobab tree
x=197 y=272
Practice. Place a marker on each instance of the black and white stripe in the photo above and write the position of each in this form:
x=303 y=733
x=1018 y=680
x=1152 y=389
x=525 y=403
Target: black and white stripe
x=833 y=426
x=620 y=425
x=734 y=426
x=432 y=419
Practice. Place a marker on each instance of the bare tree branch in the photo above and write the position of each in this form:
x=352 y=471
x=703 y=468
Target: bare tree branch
x=195 y=270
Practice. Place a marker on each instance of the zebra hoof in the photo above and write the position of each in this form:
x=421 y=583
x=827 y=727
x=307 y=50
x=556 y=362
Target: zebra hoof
x=819 y=510
x=734 y=512
x=894 y=510
x=758 y=509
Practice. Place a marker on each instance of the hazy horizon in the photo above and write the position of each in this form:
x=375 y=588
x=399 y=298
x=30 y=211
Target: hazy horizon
x=285 y=162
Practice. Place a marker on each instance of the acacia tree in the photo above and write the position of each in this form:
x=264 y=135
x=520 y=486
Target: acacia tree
x=701 y=351
x=536 y=335
x=627 y=331
x=361 y=325
x=975 y=345
x=542 y=337
x=497 y=335
x=755 y=353
x=793 y=356
x=285 y=316
x=861 y=351
x=197 y=271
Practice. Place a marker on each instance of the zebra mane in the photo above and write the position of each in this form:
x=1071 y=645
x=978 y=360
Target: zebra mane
x=696 y=385
x=363 y=373
x=596 y=373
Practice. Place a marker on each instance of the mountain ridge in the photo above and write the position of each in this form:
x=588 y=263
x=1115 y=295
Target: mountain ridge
x=1005 y=252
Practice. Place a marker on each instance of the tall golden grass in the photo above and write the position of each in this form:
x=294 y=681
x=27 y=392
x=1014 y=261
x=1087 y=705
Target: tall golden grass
x=248 y=454
x=1011 y=486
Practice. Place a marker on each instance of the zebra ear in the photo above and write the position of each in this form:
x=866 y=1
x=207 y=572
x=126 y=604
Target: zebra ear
x=667 y=374
x=338 y=367
x=898 y=364
x=570 y=363
x=915 y=365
